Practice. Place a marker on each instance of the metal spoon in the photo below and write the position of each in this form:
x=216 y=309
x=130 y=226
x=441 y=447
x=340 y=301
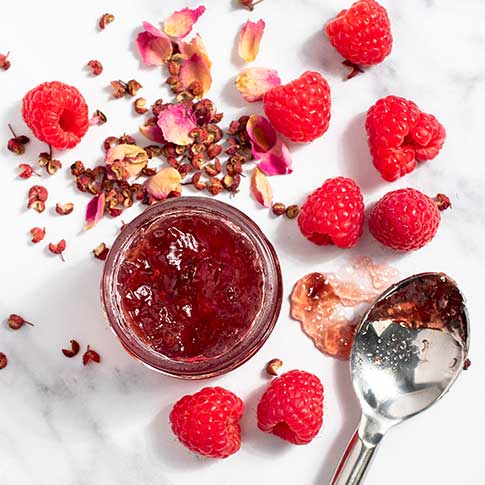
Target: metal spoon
x=408 y=350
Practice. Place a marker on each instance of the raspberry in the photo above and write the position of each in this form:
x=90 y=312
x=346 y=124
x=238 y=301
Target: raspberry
x=57 y=114
x=208 y=422
x=361 y=34
x=333 y=214
x=406 y=219
x=400 y=134
x=300 y=110
x=292 y=407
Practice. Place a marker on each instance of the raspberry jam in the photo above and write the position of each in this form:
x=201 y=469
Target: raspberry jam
x=192 y=287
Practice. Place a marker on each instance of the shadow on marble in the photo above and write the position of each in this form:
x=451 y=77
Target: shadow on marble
x=168 y=449
x=349 y=406
x=322 y=56
x=357 y=161
x=254 y=440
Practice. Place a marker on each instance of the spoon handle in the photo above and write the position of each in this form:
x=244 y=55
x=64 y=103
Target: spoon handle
x=358 y=456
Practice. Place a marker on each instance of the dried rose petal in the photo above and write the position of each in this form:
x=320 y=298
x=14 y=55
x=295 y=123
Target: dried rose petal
x=130 y=158
x=261 y=188
x=195 y=46
x=250 y=39
x=101 y=251
x=180 y=23
x=38 y=234
x=74 y=350
x=196 y=70
x=268 y=147
x=167 y=180
x=176 y=123
x=91 y=355
x=96 y=67
x=153 y=133
x=58 y=248
x=253 y=82
x=95 y=210
x=64 y=209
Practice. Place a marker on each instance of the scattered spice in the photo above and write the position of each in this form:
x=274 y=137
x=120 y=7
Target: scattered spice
x=442 y=201
x=355 y=69
x=74 y=350
x=249 y=4
x=16 y=144
x=15 y=322
x=119 y=88
x=96 y=67
x=64 y=209
x=3 y=360
x=37 y=234
x=91 y=355
x=139 y=105
x=278 y=209
x=58 y=248
x=50 y=164
x=292 y=211
x=26 y=171
x=272 y=366
x=101 y=251
x=105 y=20
x=467 y=364
x=37 y=197
x=4 y=62
x=133 y=87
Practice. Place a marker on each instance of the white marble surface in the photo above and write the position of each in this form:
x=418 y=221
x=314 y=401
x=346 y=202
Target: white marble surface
x=63 y=424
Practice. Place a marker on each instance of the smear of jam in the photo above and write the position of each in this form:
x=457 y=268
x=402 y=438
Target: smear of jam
x=431 y=301
x=318 y=302
x=191 y=287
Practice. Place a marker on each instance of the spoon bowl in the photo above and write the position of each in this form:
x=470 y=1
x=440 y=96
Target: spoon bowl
x=408 y=350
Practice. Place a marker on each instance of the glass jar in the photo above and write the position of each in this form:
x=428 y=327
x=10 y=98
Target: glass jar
x=271 y=287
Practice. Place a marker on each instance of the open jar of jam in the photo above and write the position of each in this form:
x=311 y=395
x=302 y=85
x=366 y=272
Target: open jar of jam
x=192 y=287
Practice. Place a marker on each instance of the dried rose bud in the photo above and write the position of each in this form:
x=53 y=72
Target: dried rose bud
x=278 y=209
x=15 y=322
x=96 y=67
x=101 y=251
x=4 y=62
x=74 y=350
x=26 y=171
x=53 y=166
x=197 y=183
x=133 y=87
x=139 y=105
x=77 y=168
x=3 y=360
x=64 y=209
x=272 y=366
x=106 y=19
x=91 y=355
x=110 y=142
x=292 y=211
x=37 y=234
x=119 y=89
x=58 y=248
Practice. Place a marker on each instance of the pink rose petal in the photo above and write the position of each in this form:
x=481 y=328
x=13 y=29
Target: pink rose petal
x=130 y=158
x=180 y=23
x=195 y=46
x=95 y=210
x=253 y=82
x=268 y=147
x=153 y=133
x=196 y=69
x=154 y=46
x=160 y=185
x=176 y=122
x=250 y=39
x=261 y=188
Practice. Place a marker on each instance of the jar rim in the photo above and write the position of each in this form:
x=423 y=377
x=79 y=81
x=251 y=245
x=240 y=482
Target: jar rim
x=263 y=323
